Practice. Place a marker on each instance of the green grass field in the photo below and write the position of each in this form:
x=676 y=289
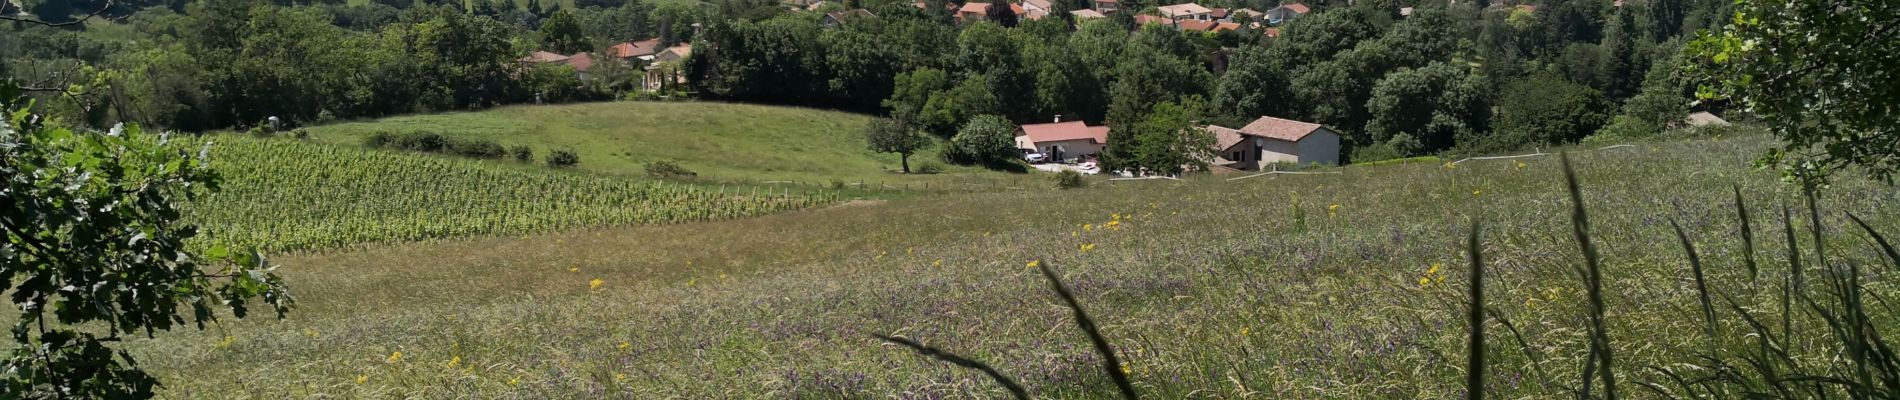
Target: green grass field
x=283 y=194
x=1295 y=286
x=719 y=141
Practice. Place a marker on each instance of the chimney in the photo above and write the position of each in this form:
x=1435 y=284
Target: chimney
x=1058 y=117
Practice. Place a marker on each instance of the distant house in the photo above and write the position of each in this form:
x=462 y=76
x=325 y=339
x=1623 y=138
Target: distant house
x=1273 y=32
x=837 y=18
x=581 y=63
x=1038 y=5
x=1704 y=118
x=1084 y=15
x=1252 y=15
x=1286 y=12
x=666 y=68
x=542 y=57
x=1063 y=140
x=642 y=50
x=1186 y=12
x=1270 y=140
x=1144 y=19
x=974 y=11
x=1407 y=11
x=1105 y=6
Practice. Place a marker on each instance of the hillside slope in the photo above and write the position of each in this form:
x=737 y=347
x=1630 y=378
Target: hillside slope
x=719 y=141
x=1298 y=286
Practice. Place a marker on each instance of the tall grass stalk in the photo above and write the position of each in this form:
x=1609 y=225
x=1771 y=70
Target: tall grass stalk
x=1082 y=320
x=1701 y=283
x=1600 y=354
x=932 y=352
x=1748 y=235
x=1474 y=362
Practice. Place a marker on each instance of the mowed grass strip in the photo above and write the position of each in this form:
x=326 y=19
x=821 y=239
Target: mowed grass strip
x=719 y=141
x=1309 y=286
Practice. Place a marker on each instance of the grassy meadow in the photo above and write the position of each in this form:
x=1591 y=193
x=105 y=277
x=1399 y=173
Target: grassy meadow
x=719 y=141
x=1341 y=285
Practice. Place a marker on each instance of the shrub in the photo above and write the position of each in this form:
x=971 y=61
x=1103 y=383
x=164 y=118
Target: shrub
x=522 y=153
x=1069 y=179
x=668 y=169
x=929 y=167
x=987 y=139
x=563 y=158
x=476 y=148
x=377 y=140
x=302 y=134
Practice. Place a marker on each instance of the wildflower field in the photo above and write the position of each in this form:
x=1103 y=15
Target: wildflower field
x=283 y=194
x=1348 y=285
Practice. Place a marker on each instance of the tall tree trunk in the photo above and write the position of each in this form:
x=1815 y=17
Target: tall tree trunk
x=905 y=158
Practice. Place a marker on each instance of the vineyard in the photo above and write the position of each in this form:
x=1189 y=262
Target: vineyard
x=286 y=195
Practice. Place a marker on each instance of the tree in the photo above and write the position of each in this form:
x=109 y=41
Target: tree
x=1167 y=142
x=1620 y=63
x=92 y=242
x=1822 y=74
x=1543 y=109
x=1663 y=18
x=1000 y=13
x=886 y=135
x=963 y=102
x=988 y=140
x=562 y=34
x=1254 y=85
x=1429 y=107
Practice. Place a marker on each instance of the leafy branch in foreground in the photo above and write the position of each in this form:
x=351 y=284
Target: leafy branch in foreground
x=90 y=233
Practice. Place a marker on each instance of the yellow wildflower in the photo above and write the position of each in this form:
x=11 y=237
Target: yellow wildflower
x=1088 y=246
x=395 y=357
x=1451 y=165
x=454 y=362
x=576 y=268
x=620 y=376
x=362 y=378
x=1035 y=263
x=227 y=341
x=986 y=234
x=310 y=332
x=1520 y=164
x=1125 y=370
x=1114 y=224
x=1088 y=227
x=1244 y=331
x=514 y=381
x=937 y=263
x=1435 y=267
x=595 y=284
x=624 y=345
x=1332 y=210
x=1075 y=233
x=1423 y=281
x=1479 y=192
x=691 y=282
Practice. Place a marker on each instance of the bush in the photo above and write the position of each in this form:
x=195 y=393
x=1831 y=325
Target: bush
x=668 y=169
x=1069 y=179
x=987 y=139
x=302 y=134
x=522 y=153
x=377 y=140
x=476 y=148
x=1622 y=128
x=563 y=158
x=929 y=167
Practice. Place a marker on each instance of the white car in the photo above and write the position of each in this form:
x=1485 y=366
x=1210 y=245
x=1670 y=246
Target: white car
x=1089 y=168
x=1035 y=157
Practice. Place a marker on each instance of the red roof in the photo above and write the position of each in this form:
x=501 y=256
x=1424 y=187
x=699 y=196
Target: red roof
x=1273 y=32
x=1060 y=131
x=580 y=61
x=1297 y=7
x=1283 y=129
x=1201 y=26
x=981 y=8
x=635 y=49
x=543 y=57
x=1226 y=26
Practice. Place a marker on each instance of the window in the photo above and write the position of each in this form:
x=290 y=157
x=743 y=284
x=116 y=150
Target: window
x=1237 y=156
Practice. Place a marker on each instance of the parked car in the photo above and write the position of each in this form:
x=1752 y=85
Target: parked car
x=1089 y=168
x=1035 y=157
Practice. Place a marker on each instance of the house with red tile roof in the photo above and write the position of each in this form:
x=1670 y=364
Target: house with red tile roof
x=1269 y=140
x=1287 y=12
x=542 y=57
x=975 y=11
x=643 y=49
x=1084 y=15
x=1186 y=11
x=1063 y=140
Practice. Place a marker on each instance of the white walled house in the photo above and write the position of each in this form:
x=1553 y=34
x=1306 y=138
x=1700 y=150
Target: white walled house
x=1270 y=140
x=1063 y=140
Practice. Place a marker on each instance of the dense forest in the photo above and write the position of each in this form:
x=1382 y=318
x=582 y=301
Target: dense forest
x=1438 y=77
